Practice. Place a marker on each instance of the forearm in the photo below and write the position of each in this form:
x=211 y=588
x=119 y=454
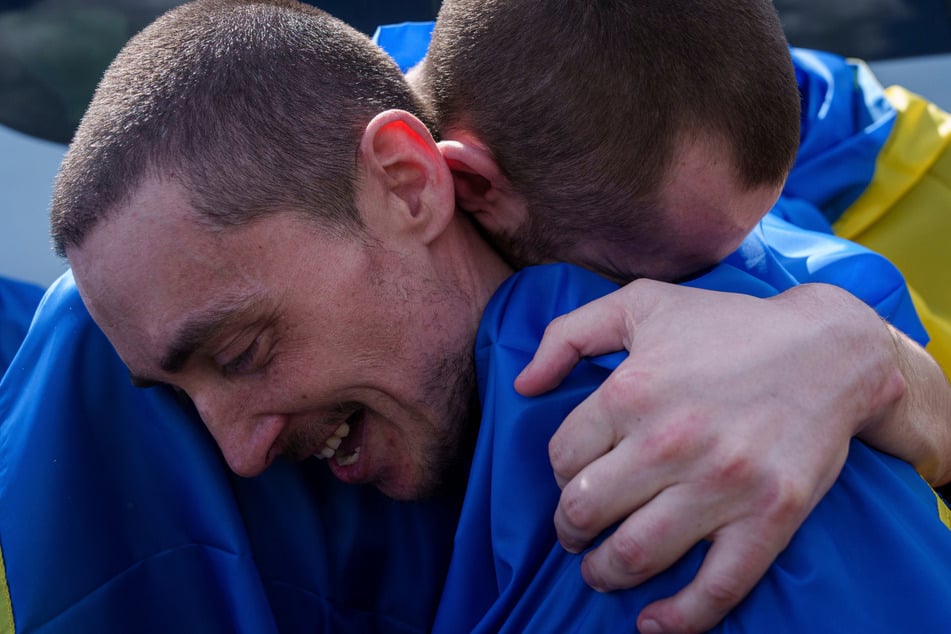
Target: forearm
x=730 y=418
x=917 y=426
x=893 y=390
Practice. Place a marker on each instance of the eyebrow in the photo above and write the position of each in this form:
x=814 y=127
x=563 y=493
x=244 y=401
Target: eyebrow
x=204 y=325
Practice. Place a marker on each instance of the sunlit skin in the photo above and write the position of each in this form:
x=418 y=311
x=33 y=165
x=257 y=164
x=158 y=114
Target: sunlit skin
x=708 y=213
x=280 y=332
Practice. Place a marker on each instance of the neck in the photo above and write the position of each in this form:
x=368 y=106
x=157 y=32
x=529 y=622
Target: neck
x=479 y=267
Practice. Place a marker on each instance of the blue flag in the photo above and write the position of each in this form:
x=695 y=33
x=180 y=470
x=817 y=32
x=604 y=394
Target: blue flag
x=872 y=557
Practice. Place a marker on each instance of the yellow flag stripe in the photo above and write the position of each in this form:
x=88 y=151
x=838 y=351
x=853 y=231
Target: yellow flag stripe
x=905 y=213
x=7 y=625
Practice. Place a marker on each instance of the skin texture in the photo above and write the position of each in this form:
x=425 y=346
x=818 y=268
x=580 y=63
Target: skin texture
x=280 y=371
x=261 y=393
x=708 y=213
x=279 y=332
x=700 y=459
x=731 y=417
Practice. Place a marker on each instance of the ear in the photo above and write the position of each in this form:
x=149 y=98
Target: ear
x=481 y=187
x=408 y=176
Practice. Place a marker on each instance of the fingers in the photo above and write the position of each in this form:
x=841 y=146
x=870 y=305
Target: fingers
x=593 y=329
x=583 y=437
x=734 y=564
x=650 y=540
x=603 y=493
x=605 y=479
x=597 y=424
x=608 y=464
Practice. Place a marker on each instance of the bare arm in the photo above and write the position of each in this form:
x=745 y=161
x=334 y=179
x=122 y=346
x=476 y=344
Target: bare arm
x=729 y=420
x=917 y=426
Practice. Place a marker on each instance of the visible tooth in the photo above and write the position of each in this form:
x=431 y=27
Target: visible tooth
x=333 y=443
x=345 y=461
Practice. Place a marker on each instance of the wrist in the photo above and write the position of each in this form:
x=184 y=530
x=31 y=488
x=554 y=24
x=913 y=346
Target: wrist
x=861 y=351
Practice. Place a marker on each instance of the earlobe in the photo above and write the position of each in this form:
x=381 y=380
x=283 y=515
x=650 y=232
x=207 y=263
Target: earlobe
x=403 y=164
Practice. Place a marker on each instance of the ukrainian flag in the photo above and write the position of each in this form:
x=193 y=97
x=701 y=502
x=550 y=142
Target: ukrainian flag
x=872 y=557
x=874 y=166
x=877 y=164
x=118 y=513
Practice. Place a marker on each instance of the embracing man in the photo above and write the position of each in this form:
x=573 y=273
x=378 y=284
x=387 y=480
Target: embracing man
x=298 y=269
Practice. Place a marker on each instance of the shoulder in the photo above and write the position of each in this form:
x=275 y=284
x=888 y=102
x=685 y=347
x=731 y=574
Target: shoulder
x=529 y=300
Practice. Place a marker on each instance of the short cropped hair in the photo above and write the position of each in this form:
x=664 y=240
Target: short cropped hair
x=585 y=103
x=253 y=106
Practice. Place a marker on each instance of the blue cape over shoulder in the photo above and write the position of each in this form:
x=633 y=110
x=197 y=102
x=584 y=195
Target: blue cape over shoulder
x=118 y=514
x=872 y=557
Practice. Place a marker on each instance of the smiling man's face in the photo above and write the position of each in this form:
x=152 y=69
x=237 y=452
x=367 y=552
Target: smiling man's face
x=287 y=339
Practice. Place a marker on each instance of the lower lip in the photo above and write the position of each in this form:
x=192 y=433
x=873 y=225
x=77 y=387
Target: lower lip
x=352 y=473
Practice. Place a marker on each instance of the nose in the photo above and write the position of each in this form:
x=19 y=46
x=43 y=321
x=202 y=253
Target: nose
x=247 y=439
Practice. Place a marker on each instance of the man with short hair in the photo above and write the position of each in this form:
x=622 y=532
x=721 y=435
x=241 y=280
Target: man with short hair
x=312 y=314
x=683 y=116
x=684 y=120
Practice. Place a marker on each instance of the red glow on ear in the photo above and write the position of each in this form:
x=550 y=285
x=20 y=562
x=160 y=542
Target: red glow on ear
x=412 y=134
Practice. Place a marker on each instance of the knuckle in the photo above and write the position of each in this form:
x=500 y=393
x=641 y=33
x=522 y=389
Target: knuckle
x=620 y=401
x=723 y=593
x=788 y=498
x=669 y=443
x=617 y=390
x=630 y=553
x=625 y=386
x=578 y=509
x=561 y=455
x=739 y=467
x=556 y=328
x=640 y=285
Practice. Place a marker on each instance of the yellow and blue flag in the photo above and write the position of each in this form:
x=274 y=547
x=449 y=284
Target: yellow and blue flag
x=872 y=557
x=874 y=166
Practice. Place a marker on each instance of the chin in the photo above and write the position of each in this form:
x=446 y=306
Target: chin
x=444 y=472
x=401 y=491
x=408 y=490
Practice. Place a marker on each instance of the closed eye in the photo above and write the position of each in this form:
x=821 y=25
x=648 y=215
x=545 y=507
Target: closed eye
x=244 y=362
x=180 y=395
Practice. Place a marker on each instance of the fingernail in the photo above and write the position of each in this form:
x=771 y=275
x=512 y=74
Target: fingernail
x=650 y=626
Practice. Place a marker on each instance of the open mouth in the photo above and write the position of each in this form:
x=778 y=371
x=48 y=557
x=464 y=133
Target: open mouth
x=343 y=446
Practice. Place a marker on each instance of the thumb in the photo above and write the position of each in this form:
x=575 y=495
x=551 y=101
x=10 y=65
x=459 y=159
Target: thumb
x=602 y=326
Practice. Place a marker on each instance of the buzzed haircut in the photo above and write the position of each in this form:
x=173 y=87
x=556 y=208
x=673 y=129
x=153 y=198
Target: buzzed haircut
x=585 y=103
x=251 y=105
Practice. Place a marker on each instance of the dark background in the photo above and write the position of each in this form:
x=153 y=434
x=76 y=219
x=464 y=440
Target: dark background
x=869 y=29
x=52 y=52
